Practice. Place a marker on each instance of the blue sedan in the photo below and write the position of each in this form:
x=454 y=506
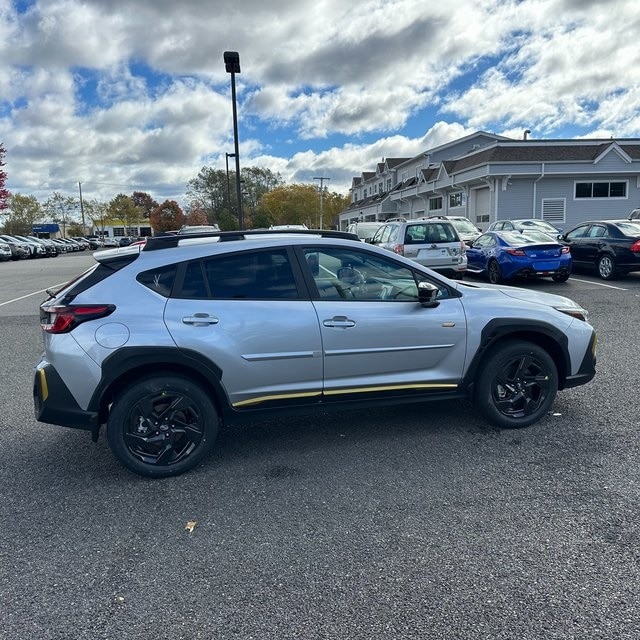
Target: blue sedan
x=511 y=254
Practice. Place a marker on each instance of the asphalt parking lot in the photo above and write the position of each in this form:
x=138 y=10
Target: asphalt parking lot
x=418 y=522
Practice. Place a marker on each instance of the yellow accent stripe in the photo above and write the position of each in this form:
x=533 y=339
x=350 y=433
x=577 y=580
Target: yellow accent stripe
x=395 y=387
x=336 y=392
x=44 y=387
x=284 y=396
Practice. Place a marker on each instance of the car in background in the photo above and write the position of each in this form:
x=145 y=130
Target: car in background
x=634 y=215
x=19 y=249
x=94 y=242
x=240 y=327
x=62 y=247
x=36 y=248
x=433 y=243
x=287 y=227
x=467 y=231
x=110 y=242
x=50 y=247
x=504 y=255
x=527 y=223
x=364 y=230
x=83 y=242
x=5 y=251
x=610 y=247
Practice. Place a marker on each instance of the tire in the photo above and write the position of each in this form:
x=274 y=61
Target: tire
x=162 y=426
x=560 y=277
x=607 y=267
x=516 y=384
x=494 y=272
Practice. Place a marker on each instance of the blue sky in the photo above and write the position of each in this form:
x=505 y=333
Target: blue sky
x=125 y=96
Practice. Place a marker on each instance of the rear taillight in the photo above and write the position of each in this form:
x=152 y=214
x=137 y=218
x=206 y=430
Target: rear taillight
x=398 y=248
x=635 y=247
x=515 y=252
x=565 y=250
x=63 y=319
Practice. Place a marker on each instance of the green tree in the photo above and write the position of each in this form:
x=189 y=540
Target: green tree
x=97 y=212
x=166 y=217
x=332 y=204
x=124 y=209
x=61 y=209
x=22 y=213
x=209 y=188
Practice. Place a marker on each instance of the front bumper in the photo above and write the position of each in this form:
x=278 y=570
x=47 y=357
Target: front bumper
x=54 y=404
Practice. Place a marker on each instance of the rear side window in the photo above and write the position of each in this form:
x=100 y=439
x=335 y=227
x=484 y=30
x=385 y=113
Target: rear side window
x=159 y=280
x=250 y=275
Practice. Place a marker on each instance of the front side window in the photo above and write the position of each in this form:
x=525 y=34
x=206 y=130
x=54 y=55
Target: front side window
x=351 y=275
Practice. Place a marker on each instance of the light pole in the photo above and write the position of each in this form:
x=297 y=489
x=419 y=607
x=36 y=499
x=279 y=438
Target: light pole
x=232 y=66
x=322 y=179
x=229 y=155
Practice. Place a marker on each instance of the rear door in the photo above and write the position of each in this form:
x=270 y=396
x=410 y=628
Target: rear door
x=245 y=313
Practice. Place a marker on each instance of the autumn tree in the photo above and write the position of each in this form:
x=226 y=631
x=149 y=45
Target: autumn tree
x=145 y=203
x=196 y=214
x=291 y=204
x=124 y=209
x=332 y=205
x=22 y=213
x=4 y=192
x=166 y=217
x=61 y=209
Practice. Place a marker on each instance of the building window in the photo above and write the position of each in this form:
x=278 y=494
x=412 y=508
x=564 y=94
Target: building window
x=455 y=200
x=600 y=190
x=118 y=232
x=435 y=204
x=389 y=184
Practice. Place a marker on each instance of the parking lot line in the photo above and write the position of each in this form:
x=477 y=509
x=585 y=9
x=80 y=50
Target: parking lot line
x=600 y=284
x=33 y=293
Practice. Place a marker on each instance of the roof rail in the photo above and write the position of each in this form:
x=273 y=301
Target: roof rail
x=173 y=240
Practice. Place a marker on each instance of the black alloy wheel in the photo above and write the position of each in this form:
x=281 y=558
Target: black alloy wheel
x=162 y=426
x=494 y=272
x=516 y=385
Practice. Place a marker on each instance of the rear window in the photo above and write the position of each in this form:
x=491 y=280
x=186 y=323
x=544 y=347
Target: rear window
x=432 y=233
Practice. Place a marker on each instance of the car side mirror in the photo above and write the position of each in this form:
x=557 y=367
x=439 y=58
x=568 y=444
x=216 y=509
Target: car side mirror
x=427 y=293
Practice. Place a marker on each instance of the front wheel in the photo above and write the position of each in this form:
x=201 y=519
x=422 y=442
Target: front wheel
x=606 y=267
x=516 y=385
x=162 y=426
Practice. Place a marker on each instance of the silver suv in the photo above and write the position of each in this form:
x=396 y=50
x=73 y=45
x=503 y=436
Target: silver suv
x=166 y=341
x=432 y=242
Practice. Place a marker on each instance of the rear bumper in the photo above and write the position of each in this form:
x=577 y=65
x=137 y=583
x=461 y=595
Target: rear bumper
x=54 y=404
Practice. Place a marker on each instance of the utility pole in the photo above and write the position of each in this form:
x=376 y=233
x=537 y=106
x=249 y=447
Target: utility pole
x=84 y=229
x=322 y=179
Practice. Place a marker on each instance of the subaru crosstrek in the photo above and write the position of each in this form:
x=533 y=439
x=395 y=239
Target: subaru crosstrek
x=164 y=342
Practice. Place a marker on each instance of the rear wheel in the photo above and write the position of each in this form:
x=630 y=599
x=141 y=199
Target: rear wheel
x=162 y=426
x=607 y=267
x=517 y=384
x=494 y=272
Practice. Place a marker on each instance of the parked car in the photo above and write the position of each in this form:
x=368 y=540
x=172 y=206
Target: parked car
x=197 y=228
x=611 y=247
x=50 y=247
x=467 y=231
x=95 y=242
x=528 y=223
x=278 y=227
x=506 y=255
x=83 y=242
x=239 y=327
x=364 y=230
x=36 y=248
x=634 y=215
x=110 y=242
x=63 y=247
x=5 y=251
x=431 y=242
x=19 y=249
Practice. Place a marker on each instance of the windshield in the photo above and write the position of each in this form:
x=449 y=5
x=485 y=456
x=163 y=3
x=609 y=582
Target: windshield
x=464 y=226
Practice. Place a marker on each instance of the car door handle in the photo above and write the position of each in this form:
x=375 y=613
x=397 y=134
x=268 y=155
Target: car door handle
x=201 y=319
x=339 y=321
